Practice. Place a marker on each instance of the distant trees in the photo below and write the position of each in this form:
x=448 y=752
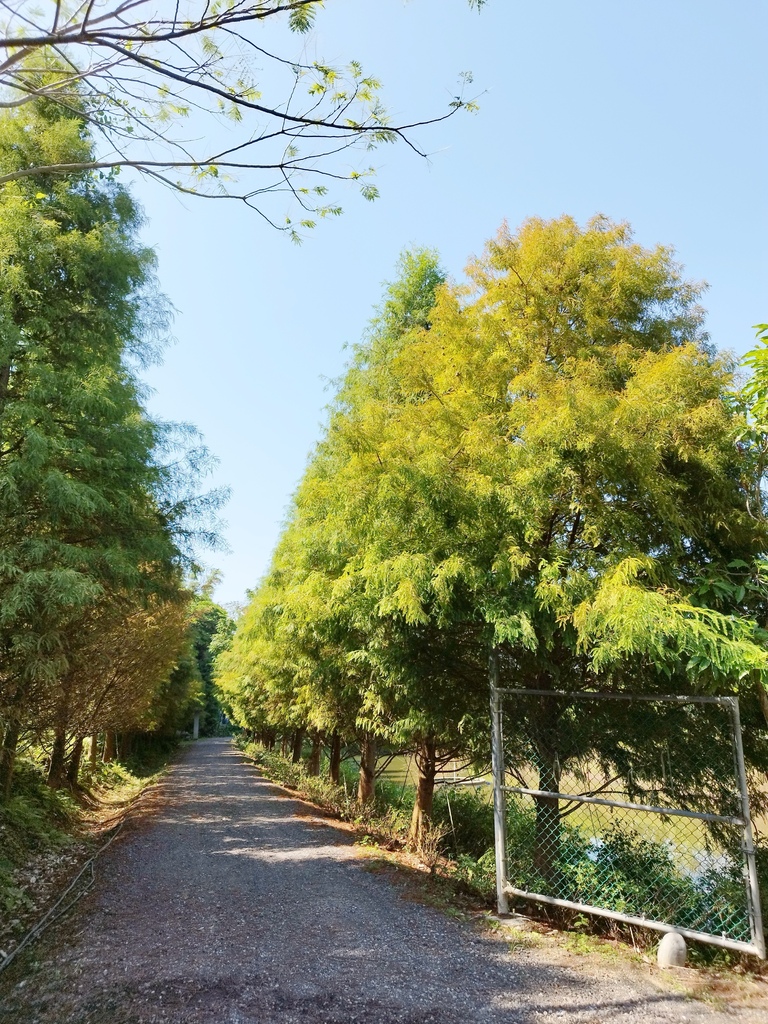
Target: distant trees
x=544 y=461
x=210 y=629
x=93 y=526
x=142 y=73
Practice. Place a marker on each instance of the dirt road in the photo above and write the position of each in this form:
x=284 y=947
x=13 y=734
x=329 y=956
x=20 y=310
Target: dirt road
x=218 y=903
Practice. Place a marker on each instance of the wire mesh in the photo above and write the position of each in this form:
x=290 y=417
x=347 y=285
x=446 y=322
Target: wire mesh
x=633 y=807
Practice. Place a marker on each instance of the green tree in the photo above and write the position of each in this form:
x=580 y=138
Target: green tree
x=211 y=627
x=314 y=638
x=565 y=476
x=87 y=509
x=546 y=464
x=122 y=676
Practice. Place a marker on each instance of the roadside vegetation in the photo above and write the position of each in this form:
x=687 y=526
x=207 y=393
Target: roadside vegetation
x=106 y=621
x=46 y=833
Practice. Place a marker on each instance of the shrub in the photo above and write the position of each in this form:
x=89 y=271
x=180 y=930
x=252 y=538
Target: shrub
x=467 y=815
x=478 y=874
x=35 y=820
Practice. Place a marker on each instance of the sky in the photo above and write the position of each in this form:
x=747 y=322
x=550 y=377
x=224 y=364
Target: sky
x=650 y=112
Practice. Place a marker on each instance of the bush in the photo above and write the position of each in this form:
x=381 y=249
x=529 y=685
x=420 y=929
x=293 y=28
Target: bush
x=467 y=814
x=477 y=874
x=35 y=820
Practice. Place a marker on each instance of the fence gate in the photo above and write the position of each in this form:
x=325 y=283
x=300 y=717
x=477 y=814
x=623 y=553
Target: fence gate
x=633 y=807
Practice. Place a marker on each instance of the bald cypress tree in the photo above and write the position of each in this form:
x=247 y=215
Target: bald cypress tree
x=82 y=508
x=548 y=460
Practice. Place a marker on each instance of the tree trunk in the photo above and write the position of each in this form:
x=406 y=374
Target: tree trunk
x=548 y=827
x=334 y=766
x=73 y=768
x=126 y=745
x=93 y=753
x=110 y=746
x=548 y=824
x=284 y=745
x=313 y=765
x=366 y=787
x=56 y=769
x=425 y=790
x=8 y=758
x=298 y=743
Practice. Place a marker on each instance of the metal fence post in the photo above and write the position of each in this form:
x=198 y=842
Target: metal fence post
x=753 y=886
x=499 y=799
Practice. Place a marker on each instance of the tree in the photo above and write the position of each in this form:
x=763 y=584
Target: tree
x=143 y=73
x=126 y=671
x=546 y=463
x=210 y=626
x=566 y=478
x=754 y=404
x=317 y=622
x=88 y=511
x=418 y=674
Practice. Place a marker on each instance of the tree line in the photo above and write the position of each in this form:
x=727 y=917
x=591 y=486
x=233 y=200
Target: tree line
x=549 y=461
x=99 y=514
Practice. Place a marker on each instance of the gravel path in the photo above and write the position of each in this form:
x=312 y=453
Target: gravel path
x=218 y=904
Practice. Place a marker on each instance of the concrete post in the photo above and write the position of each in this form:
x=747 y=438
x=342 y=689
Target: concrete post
x=672 y=951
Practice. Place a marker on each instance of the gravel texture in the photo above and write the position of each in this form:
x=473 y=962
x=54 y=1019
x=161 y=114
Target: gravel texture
x=220 y=904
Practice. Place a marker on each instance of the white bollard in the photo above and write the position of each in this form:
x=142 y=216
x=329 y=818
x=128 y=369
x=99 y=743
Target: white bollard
x=672 y=951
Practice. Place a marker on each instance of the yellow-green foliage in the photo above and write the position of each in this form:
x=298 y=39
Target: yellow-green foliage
x=544 y=459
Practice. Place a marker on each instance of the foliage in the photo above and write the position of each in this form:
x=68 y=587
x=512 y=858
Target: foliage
x=294 y=775
x=39 y=825
x=468 y=815
x=35 y=822
x=545 y=461
x=211 y=626
x=755 y=391
x=97 y=527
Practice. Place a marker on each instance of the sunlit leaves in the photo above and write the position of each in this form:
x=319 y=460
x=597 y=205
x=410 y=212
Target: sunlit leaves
x=302 y=15
x=756 y=388
x=541 y=460
x=95 y=525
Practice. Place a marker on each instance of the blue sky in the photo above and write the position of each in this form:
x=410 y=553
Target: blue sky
x=650 y=112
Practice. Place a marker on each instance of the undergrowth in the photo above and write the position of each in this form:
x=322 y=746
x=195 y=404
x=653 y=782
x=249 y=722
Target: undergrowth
x=39 y=821
x=35 y=820
x=462 y=822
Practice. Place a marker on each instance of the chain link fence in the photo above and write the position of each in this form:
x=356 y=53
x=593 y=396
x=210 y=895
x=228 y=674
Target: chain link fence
x=631 y=807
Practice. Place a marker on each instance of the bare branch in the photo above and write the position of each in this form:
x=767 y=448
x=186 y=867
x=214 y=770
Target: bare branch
x=134 y=75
